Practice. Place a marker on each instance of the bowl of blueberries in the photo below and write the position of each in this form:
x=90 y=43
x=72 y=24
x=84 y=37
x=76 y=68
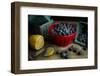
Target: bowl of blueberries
x=62 y=33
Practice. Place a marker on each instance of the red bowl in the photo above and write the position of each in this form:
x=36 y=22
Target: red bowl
x=60 y=40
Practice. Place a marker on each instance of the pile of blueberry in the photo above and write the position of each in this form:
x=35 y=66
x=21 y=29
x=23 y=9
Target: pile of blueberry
x=65 y=54
x=75 y=50
x=82 y=37
x=83 y=33
x=64 y=29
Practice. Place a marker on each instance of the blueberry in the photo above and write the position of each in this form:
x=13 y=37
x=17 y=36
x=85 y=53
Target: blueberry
x=64 y=55
x=73 y=30
x=79 y=53
x=67 y=31
x=70 y=49
x=57 y=25
x=63 y=30
x=74 y=50
x=64 y=26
